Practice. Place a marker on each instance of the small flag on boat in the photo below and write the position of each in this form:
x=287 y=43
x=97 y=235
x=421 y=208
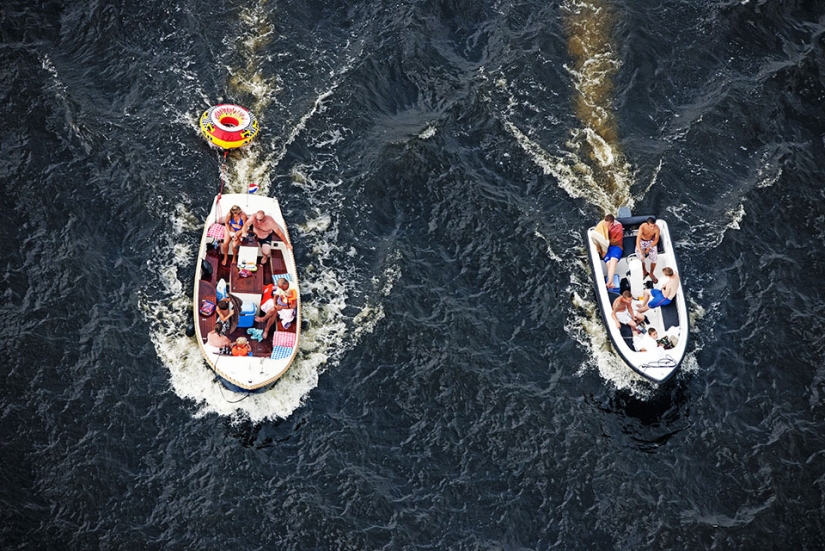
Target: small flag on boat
x=253 y=188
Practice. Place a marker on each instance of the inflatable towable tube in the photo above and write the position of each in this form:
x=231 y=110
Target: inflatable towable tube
x=229 y=126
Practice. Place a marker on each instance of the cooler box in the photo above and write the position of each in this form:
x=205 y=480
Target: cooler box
x=247 y=317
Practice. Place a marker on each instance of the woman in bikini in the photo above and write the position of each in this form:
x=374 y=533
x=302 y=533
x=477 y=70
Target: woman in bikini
x=235 y=221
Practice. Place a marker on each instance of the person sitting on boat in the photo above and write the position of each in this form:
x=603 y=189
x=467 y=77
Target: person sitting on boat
x=665 y=342
x=225 y=310
x=647 y=245
x=654 y=298
x=264 y=227
x=241 y=347
x=623 y=312
x=216 y=340
x=234 y=223
x=610 y=234
x=286 y=300
x=647 y=342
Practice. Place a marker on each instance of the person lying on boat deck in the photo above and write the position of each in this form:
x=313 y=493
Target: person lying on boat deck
x=623 y=312
x=224 y=311
x=234 y=223
x=647 y=241
x=264 y=227
x=216 y=340
x=286 y=299
x=613 y=233
x=654 y=298
x=241 y=347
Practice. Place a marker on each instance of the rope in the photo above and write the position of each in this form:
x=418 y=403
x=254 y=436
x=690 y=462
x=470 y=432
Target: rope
x=221 y=387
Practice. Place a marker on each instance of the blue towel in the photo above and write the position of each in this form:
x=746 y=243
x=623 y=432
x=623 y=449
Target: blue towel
x=257 y=334
x=281 y=352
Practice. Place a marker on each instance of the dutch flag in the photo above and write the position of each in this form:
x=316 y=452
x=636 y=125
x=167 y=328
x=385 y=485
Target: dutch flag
x=253 y=188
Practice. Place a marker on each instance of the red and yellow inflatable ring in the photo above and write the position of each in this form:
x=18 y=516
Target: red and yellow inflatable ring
x=229 y=126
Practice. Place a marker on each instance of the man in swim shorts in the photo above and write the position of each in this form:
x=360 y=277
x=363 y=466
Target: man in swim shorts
x=655 y=298
x=264 y=227
x=614 y=231
x=623 y=312
x=647 y=241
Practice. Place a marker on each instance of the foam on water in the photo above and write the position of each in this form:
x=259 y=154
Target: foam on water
x=169 y=311
x=168 y=307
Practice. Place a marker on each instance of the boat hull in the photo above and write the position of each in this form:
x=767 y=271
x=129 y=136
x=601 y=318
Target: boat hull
x=272 y=356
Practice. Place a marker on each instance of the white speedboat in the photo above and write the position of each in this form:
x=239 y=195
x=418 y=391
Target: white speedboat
x=249 y=285
x=671 y=320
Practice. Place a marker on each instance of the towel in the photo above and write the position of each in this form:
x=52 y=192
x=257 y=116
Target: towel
x=280 y=352
x=283 y=338
x=257 y=334
x=601 y=237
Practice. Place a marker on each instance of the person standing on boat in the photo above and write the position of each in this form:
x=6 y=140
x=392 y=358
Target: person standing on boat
x=612 y=233
x=623 y=313
x=234 y=223
x=654 y=298
x=264 y=226
x=647 y=241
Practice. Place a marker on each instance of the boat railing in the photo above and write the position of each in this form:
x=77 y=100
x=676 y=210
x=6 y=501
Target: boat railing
x=663 y=362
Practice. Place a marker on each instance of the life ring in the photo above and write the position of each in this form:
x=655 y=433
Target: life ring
x=229 y=126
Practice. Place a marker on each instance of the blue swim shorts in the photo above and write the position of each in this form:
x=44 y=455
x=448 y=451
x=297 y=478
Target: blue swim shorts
x=657 y=299
x=613 y=252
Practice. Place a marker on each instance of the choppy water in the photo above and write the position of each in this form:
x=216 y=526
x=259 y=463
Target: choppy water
x=437 y=163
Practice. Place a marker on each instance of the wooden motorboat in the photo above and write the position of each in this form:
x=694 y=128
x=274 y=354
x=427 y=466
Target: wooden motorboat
x=670 y=320
x=248 y=289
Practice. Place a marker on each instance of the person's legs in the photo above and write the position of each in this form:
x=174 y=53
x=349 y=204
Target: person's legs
x=645 y=301
x=265 y=251
x=226 y=246
x=611 y=271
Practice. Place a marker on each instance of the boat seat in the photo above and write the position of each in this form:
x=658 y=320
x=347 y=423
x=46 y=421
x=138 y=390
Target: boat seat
x=637 y=285
x=670 y=315
x=627 y=335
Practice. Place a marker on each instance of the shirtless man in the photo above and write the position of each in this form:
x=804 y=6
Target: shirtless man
x=623 y=312
x=265 y=227
x=654 y=297
x=647 y=241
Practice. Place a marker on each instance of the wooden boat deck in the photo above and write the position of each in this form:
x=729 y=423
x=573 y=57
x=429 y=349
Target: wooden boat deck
x=253 y=285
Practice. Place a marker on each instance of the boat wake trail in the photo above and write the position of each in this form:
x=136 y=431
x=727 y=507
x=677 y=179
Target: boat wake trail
x=334 y=327
x=589 y=26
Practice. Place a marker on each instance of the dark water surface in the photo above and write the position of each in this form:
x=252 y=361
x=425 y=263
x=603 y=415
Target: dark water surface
x=437 y=163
